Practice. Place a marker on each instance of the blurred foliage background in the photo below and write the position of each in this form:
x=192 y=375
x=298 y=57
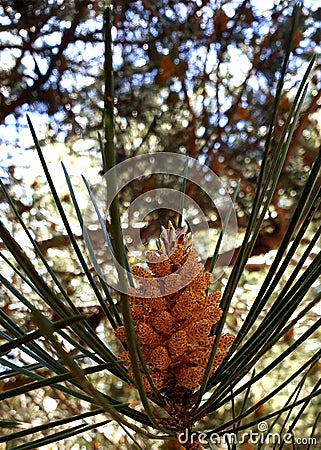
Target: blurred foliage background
x=196 y=77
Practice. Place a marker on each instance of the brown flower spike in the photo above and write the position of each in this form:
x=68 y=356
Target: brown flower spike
x=173 y=326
